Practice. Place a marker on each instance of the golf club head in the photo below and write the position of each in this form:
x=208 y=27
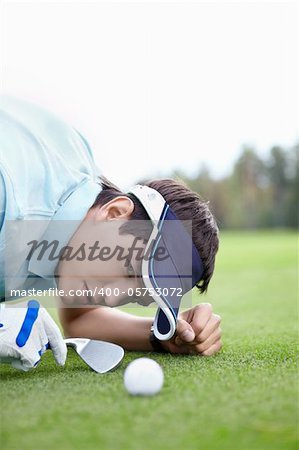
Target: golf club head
x=100 y=356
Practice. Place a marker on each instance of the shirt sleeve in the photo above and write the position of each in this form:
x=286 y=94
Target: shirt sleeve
x=2 y=199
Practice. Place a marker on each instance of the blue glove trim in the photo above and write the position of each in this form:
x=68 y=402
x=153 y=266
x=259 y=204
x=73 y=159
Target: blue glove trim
x=47 y=346
x=30 y=318
x=40 y=353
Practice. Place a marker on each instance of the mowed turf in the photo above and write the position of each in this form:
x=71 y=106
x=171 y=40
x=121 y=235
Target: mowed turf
x=246 y=397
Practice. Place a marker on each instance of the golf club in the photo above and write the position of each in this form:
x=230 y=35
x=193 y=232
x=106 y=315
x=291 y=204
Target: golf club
x=100 y=356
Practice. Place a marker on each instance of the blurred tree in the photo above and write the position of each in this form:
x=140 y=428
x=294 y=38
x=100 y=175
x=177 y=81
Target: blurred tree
x=292 y=200
x=257 y=194
x=247 y=190
x=277 y=169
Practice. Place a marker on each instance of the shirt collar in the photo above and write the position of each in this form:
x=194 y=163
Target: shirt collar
x=63 y=225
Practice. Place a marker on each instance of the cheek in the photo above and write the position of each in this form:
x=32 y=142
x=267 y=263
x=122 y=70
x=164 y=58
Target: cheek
x=102 y=269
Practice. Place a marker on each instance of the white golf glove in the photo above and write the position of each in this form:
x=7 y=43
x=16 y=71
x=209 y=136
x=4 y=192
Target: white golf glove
x=26 y=332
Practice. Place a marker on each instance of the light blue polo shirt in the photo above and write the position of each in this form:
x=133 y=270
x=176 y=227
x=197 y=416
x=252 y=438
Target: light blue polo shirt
x=47 y=173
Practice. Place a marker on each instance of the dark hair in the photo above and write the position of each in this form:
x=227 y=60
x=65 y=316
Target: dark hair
x=187 y=205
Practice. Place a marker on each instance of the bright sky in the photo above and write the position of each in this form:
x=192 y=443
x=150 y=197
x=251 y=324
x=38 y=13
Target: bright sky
x=156 y=86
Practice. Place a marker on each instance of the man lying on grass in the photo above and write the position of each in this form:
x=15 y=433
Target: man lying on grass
x=108 y=248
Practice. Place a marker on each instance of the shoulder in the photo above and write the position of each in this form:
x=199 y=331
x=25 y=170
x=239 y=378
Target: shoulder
x=42 y=158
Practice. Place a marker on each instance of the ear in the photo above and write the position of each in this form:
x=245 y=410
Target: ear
x=120 y=207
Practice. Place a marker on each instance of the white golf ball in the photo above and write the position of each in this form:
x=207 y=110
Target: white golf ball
x=143 y=376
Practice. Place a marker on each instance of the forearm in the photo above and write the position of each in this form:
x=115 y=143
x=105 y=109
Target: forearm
x=108 y=324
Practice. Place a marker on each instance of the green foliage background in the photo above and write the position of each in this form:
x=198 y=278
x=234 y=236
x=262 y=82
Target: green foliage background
x=259 y=192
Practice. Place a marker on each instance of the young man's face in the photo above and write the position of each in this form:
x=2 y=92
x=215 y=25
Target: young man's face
x=107 y=266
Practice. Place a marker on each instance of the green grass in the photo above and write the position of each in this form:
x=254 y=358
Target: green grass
x=246 y=397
